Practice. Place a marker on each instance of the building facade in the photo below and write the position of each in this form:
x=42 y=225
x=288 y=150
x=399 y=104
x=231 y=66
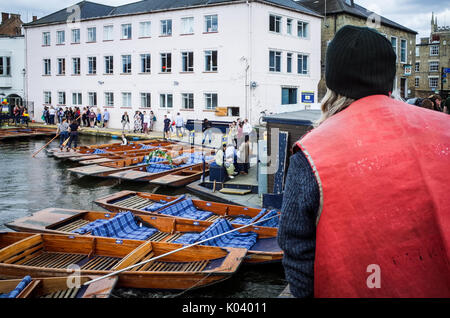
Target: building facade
x=338 y=13
x=12 y=60
x=432 y=56
x=223 y=61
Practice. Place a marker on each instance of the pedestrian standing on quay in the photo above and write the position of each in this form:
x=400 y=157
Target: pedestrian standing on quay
x=125 y=122
x=167 y=124
x=106 y=118
x=152 y=120
x=99 y=118
x=137 y=122
x=92 y=118
x=145 y=122
x=179 y=124
x=365 y=205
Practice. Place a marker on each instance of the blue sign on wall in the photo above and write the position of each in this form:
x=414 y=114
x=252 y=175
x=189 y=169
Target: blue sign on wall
x=308 y=97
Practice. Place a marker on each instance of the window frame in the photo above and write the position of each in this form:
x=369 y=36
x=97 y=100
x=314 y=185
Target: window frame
x=146 y=100
x=108 y=32
x=109 y=64
x=47 y=71
x=166 y=62
x=61 y=70
x=64 y=98
x=76 y=36
x=60 y=41
x=187 y=62
x=94 y=101
x=47 y=98
x=92 y=65
x=403 y=51
x=276 y=67
x=164 y=100
x=187 y=101
x=142 y=34
x=46 y=38
x=211 y=61
x=209 y=97
x=127 y=65
x=76 y=71
x=127 y=100
x=183 y=25
x=146 y=63
x=109 y=99
x=276 y=23
x=304 y=28
x=166 y=27
x=126 y=31
x=290 y=101
x=211 y=23
x=302 y=57
x=91 y=35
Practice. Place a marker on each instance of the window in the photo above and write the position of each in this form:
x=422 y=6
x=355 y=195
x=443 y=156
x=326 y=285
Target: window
x=288 y=96
x=302 y=29
x=126 y=31
x=417 y=68
x=210 y=101
x=433 y=81
x=60 y=37
x=145 y=29
x=126 y=64
x=75 y=36
x=417 y=82
x=417 y=51
x=47 y=98
x=77 y=99
x=92 y=99
x=145 y=63
x=211 y=61
x=46 y=38
x=434 y=50
x=61 y=66
x=394 y=44
x=289 y=63
x=166 y=27
x=146 y=100
x=109 y=64
x=289 y=26
x=211 y=23
x=166 y=100
x=274 y=61
x=187 y=61
x=92 y=34
x=434 y=66
x=76 y=66
x=187 y=101
x=5 y=66
x=403 y=51
x=61 y=98
x=275 y=23
x=302 y=64
x=47 y=67
x=187 y=25
x=109 y=99
x=126 y=99
x=92 y=65
x=108 y=32
x=166 y=62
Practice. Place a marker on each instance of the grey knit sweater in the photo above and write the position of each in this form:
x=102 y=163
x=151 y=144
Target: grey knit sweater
x=297 y=230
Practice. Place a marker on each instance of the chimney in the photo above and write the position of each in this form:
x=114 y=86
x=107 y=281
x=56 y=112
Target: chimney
x=34 y=18
x=5 y=16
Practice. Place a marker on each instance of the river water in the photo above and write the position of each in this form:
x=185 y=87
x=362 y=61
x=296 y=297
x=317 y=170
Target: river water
x=32 y=184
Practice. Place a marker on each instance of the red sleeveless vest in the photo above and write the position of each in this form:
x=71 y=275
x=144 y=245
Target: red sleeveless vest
x=383 y=169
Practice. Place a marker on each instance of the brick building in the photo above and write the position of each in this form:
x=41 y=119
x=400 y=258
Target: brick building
x=432 y=55
x=11 y=24
x=338 y=13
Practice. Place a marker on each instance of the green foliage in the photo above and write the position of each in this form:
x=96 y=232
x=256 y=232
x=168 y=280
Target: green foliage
x=159 y=153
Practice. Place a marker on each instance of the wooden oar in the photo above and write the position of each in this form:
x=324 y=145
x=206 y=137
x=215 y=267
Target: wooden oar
x=174 y=251
x=44 y=146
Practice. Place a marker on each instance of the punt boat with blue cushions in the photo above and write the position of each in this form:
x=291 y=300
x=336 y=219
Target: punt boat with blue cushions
x=260 y=241
x=51 y=255
x=183 y=207
x=57 y=287
x=136 y=168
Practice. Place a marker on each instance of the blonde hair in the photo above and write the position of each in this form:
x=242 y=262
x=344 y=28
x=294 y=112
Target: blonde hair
x=332 y=104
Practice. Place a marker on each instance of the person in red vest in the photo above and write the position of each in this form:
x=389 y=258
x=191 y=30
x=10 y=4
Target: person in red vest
x=366 y=211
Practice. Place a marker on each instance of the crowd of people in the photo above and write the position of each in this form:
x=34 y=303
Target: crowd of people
x=21 y=115
x=434 y=102
x=86 y=117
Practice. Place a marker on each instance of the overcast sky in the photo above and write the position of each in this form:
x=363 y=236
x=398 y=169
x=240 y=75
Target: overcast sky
x=414 y=14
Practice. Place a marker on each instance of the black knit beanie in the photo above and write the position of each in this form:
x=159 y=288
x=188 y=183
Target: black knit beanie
x=360 y=62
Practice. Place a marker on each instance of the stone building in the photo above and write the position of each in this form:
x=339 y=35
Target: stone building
x=338 y=13
x=432 y=56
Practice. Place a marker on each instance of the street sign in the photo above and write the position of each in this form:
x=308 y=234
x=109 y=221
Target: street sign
x=446 y=70
x=308 y=97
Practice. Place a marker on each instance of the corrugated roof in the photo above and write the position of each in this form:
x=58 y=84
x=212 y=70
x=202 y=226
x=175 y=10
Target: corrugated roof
x=339 y=6
x=89 y=10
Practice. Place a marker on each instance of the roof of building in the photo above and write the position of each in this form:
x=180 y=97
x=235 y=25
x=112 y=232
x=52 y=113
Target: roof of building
x=90 y=10
x=298 y=118
x=340 y=6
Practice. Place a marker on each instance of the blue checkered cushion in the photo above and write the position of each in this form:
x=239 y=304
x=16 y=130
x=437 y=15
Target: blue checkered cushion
x=186 y=209
x=187 y=238
x=234 y=239
x=244 y=219
x=123 y=226
x=274 y=222
x=21 y=286
x=89 y=227
x=98 y=151
x=158 y=167
x=146 y=147
x=161 y=204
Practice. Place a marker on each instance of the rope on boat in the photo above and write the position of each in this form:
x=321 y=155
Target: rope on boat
x=174 y=251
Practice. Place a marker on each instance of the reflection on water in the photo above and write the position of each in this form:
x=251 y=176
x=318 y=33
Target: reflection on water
x=32 y=184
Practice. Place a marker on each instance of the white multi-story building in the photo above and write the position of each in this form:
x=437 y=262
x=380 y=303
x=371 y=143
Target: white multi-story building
x=12 y=69
x=220 y=60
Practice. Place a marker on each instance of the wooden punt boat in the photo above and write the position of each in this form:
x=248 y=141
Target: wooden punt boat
x=57 y=287
x=151 y=204
x=64 y=221
x=10 y=133
x=181 y=177
x=49 y=255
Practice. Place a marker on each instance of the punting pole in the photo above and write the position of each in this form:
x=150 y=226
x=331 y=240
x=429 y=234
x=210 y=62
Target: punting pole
x=174 y=251
x=45 y=146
